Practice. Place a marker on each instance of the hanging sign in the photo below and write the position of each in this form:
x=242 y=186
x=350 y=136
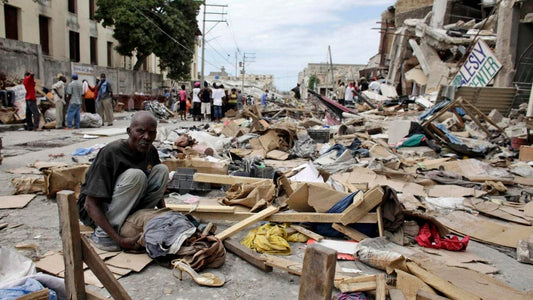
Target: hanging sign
x=479 y=68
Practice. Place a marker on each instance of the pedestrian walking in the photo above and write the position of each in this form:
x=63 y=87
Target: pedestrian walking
x=206 y=98
x=32 y=110
x=182 y=96
x=105 y=100
x=59 y=99
x=75 y=94
x=88 y=97
x=196 y=102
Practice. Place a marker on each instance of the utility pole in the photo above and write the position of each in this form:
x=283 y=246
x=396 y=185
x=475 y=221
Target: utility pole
x=251 y=57
x=331 y=67
x=204 y=33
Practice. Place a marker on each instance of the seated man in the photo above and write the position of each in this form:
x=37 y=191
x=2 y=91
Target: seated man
x=6 y=96
x=125 y=176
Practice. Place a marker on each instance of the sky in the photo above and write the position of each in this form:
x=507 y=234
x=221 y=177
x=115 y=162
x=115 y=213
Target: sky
x=284 y=36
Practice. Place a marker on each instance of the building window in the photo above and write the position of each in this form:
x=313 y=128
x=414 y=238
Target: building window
x=11 y=17
x=44 y=34
x=91 y=9
x=109 y=54
x=94 y=51
x=74 y=45
x=72 y=6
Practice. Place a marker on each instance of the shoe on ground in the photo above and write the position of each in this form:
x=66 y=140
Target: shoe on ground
x=104 y=243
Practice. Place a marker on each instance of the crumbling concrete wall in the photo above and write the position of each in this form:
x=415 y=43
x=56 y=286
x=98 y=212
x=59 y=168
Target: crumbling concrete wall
x=17 y=57
x=411 y=9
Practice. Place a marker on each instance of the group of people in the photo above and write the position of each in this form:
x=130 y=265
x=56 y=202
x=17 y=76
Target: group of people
x=348 y=94
x=81 y=96
x=69 y=100
x=207 y=103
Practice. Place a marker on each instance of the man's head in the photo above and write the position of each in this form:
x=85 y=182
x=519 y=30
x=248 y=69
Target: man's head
x=3 y=76
x=142 y=131
x=102 y=76
x=298 y=84
x=74 y=76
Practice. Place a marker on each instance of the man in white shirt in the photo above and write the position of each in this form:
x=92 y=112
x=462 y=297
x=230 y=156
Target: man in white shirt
x=374 y=86
x=218 y=98
x=58 y=91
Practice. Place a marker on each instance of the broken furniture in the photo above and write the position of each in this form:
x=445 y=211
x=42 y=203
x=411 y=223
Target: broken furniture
x=474 y=113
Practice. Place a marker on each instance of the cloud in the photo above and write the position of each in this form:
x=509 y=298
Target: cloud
x=287 y=35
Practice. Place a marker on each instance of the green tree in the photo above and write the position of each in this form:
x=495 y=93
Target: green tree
x=166 y=28
x=313 y=82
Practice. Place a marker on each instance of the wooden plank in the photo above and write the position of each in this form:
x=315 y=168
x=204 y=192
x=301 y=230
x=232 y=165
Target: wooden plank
x=362 y=286
x=440 y=284
x=208 y=228
x=247 y=222
x=396 y=294
x=352 y=233
x=247 y=254
x=72 y=250
x=292 y=267
x=225 y=179
x=317 y=260
x=202 y=208
x=379 y=212
x=354 y=212
x=284 y=217
x=37 y=295
x=100 y=270
x=425 y=295
x=410 y=285
x=381 y=287
x=315 y=236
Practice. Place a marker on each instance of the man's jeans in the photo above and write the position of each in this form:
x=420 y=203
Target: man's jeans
x=73 y=113
x=134 y=191
x=7 y=97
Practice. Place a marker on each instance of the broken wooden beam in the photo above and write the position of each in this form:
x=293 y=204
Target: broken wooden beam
x=224 y=179
x=357 y=284
x=350 y=232
x=358 y=209
x=315 y=236
x=440 y=284
x=247 y=254
x=283 y=217
x=72 y=250
x=317 y=260
x=247 y=222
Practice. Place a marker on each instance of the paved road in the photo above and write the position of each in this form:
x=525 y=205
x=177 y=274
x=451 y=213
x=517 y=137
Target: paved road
x=39 y=224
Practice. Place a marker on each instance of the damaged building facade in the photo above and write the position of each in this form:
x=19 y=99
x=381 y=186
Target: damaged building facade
x=424 y=43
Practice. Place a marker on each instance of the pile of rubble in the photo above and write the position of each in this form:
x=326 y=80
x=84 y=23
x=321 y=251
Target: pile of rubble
x=397 y=179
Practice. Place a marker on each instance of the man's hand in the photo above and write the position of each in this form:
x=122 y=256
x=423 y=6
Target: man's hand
x=129 y=243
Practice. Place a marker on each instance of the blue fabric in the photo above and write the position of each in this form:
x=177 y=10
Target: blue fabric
x=73 y=114
x=354 y=147
x=263 y=99
x=437 y=107
x=218 y=111
x=29 y=286
x=453 y=139
x=82 y=151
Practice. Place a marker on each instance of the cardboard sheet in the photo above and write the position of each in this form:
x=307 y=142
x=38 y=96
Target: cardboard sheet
x=134 y=262
x=314 y=197
x=451 y=191
x=52 y=264
x=15 y=201
x=486 y=230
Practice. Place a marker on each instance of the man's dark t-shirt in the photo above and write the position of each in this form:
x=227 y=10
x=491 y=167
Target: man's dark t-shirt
x=111 y=161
